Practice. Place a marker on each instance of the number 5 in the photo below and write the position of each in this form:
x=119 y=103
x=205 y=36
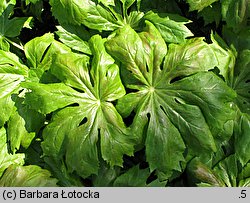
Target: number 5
x=243 y=194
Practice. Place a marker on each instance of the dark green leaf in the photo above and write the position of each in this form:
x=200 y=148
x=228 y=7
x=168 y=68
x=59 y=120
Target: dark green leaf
x=241 y=81
x=134 y=177
x=235 y=13
x=242 y=139
x=211 y=13
x=11 y=27
x=199 y=5
x=190 y=113
x=199 y=173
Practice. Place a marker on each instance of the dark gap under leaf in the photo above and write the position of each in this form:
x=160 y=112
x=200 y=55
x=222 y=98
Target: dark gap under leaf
x=147 y=69
x=128 y=90
x=138 y=158
x=175 y=79
x=162 y=65
x=216 y=71
x=84 y=120
x=6 y=64
x=129 y=120
x=73 y=105
x=44 y=53
x=151 y=177
x=163 y=110
x=177 y=101
x=78 y=90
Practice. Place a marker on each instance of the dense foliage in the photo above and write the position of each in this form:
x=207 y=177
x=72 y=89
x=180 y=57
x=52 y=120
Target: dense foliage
x=124 y=93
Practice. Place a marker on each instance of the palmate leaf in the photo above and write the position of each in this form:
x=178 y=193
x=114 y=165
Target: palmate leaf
x=112 y=15
x=76 y=131
x=193 y=112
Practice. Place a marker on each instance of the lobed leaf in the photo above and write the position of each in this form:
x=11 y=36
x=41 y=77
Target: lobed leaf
x=193 y=112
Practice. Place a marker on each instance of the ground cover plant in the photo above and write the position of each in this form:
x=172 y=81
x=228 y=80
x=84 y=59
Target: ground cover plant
x=125 y=93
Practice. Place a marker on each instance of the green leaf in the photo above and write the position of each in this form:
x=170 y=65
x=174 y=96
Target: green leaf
x=23 y=125
x=199 y=5
x=201 y=175
x=106 y=175
x=244 y=183
x=87 y=12
x=235 y=13
x=227 y=170
x=240 y=40
x=4 y=44
x=242 y=140
x=27 y=176
x=224 y=174
x=171 y=26
x=5 y=3
x=225 y=57
x=245 y=173
x=7 y=159
x=46 y=98
x=191 y=57
x=12 y=73
x=127 y=3
x=59 y=170
x=107 y=2
x=241 y=81
x=134 y=177
x=74 y=37
x=35 y=48
x=193 y=112
x=91 y=119
x=211 y=13
x=40 y=52
x=31 y=1
x=11 y=27
x=7 y=106
x=160 y=6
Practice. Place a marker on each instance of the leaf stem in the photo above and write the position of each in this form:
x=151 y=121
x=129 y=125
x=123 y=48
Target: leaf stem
x=15 y=44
